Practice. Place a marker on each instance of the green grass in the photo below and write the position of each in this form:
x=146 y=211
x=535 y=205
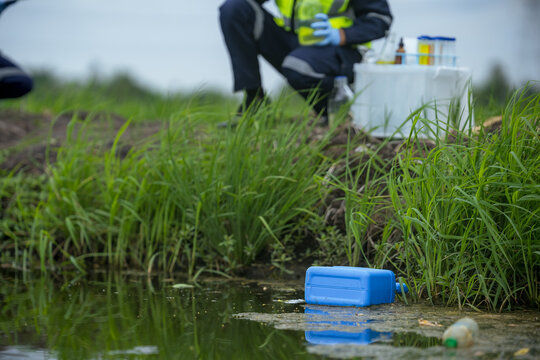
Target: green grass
x=458 y=219
x=120 y=94
x=192 y=197
x=467 y=214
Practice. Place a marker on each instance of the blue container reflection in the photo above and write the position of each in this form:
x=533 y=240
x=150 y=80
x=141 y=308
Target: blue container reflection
x=350 y=329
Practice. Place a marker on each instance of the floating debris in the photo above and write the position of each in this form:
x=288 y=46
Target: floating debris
x=522 y=352
x=137 y=350
x=292 y=301
x=423 y=322
x=183 y=286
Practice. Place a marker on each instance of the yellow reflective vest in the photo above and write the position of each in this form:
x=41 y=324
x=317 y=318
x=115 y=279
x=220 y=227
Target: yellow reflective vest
x=300 y=13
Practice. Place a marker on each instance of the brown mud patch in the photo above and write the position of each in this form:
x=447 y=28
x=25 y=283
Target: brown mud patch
x=32 y=140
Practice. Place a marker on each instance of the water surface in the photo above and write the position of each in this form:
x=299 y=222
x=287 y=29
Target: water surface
x=136 y=317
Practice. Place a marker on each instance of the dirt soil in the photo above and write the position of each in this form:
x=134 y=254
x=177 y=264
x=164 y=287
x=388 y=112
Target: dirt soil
x=26 y=136
x=32 y=140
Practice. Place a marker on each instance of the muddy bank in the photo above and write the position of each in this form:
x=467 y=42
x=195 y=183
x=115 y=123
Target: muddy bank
x=31 y=140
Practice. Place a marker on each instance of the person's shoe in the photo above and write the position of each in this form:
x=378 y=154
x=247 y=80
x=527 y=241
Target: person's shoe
x=323 y=121
x=231 y=124
x=253 y=100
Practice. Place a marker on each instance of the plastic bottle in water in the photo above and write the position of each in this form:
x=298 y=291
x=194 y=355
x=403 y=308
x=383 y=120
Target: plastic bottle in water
x=462 y=333
x=340 y=98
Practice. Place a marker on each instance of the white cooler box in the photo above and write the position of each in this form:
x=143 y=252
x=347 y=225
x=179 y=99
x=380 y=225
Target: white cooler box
x=386 y=95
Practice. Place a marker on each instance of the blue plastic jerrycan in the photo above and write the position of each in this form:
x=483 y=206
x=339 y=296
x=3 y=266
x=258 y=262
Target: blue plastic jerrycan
x=350 y=286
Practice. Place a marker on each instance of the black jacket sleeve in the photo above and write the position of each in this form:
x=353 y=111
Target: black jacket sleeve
x=373 y=19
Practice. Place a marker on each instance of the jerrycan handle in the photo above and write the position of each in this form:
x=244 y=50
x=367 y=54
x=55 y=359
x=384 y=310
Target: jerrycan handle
x=398 y=288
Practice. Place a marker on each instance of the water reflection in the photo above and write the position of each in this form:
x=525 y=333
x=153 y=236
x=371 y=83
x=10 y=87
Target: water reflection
x=112 y=316
x=345 y=329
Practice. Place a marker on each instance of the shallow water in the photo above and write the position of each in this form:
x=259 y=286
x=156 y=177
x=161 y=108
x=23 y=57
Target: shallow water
x=134 y=317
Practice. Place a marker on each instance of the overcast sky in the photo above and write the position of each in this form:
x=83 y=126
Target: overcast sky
x=177 y=44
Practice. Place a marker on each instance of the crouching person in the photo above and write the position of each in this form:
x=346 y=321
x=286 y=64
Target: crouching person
x=309 y=43
x=14 y=82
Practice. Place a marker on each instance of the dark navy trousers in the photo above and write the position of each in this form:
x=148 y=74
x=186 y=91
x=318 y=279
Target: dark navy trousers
x=250 y=31
x=13 y=81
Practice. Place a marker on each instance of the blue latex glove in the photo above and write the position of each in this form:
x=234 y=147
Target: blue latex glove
x=324 y=29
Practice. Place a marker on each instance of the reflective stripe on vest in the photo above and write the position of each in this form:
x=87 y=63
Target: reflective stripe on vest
x=337 y=10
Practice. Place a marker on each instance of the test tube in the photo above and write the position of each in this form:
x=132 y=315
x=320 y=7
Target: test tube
x=438 y=53
x=446 y=51
x=450 y=51
x=425 y=46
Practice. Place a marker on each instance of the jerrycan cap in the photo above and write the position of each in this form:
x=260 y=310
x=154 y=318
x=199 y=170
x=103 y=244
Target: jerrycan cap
x=451 y=343
x=398 y=288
